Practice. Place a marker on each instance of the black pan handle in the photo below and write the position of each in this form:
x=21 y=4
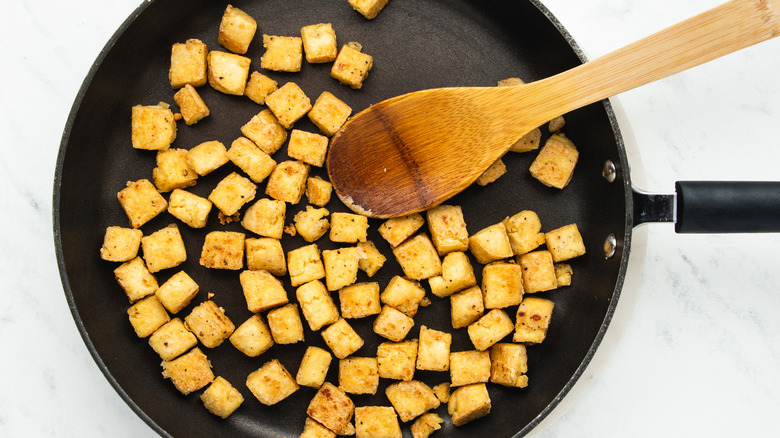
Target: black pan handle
x=714 y=207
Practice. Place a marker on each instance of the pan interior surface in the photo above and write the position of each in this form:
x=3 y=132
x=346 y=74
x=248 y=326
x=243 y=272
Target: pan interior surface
x=415 y=45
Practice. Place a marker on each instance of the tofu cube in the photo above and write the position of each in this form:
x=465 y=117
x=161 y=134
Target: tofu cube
x=348 y=228
x=342 y=339
x=351 y=66
x=282 y=53
x=319 y=43
x=448 y=229
x=433 y=351
x=191 y=106
x=509 y=363
x=392 y=324
x=312 y=429
x=376 y=422
x=210 y=324
x=565 y=243
x=314 y=367
x=371 y=260
x=189 y=208
x=491 y=244
x=533 y=320
x=426 y=425
x=257 y=164
x=259 y=87
x=317 y=305
x=529 y=142
x=492 y=173
x=236 y=30
x=368 y=8
x=252 y=337
x=312 y=224
x=265 y=254
x=411 y=399
x=556 y=124
x=221 y=398
x=172 y=340
x=223 y=250
x=262 y=290
x=271 y=383
x=164 y=249
x=153 y=127
x=538 y=271
x=265 y=131
x=502 y=285
x=228 y=72
x=467 y=367
x=418 y=258
x=304 y=264
x=172 y=171
x=147 y=315
x=188 y=64
x=135 y=279
x=563 y=274
x=403 y=294
x=396 y=230
x=358 y=375
x=360 y=300
x=266 y=218
x=288 y=181
x=232 y=193
x=318 y=191
x=396 y=360
x=189 y=372
x=141 y=202
x=523 y=230
x=285 y=323
x=120 y=244
x=331 y=407
x=341 y=267
x=442 y=391
x=329 y=113
x=456 y=275
x=288 y=103
x=468 y=403
x=466 y=307
x=490 y=328
x=177 y=292
x=207 y=157
x=554 y=166
x=308 y=147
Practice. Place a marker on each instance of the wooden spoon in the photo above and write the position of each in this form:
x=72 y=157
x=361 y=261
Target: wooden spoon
x=414 y=151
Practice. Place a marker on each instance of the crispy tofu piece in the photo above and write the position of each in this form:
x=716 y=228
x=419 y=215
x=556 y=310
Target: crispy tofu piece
x=265 y=131
x=433 y=351
x=533 y=320
x=556 y=124
x=456 y=275
x=120 y=244
x=348 y=228
x=257 y=164
x=147 y=315
x=262 y=290
x=266 y=218
x=490 y=328
x=135 y=279
x=360 y=300
x=210 y=324
x=466 y=307
x=172 y=340
x=228 y=72
x=358 y=375
x=425 y=425
x=141 y=202
x=318 y=191
x=448 y=229
x=191 y=106
x=259 y=87
x=467 y=403
x=314 y=367
x=565 y=243
x=502 y=285
x=312 y=224
x=342 y=339
x=492 y=173
x=153 y=127
x=563 y=274
x=329 y=113
x=368 y=8
x=312 y=429
x=265 y=254
x=282 y=53
x=221 y=398
x=288 y=103
x=509 y=363
x=236 y=30
x=341 y=267
x=418 y=258
x=207 y=157
x=554 y=166
x=392 y=324
x=331 y=407
x=351 y=66
x=188 y=64
x=189 y=208
x=177 y=292
x=164 y=249
x=189 y=372
x=538 y=271
x=411 y=399
x=271 y=383
x=396 y=230
x=371 y=260
x=172 y=171
x=403 y=294
x=467 y=367
x=376 y=422
x=317 y=305
x=285 y=323
x=252 y=337
x=304 y=264
x=288 y=181
x=396 y=360
x=442 y=391
x=223 y=250
x=491 y=244
x=523 y=230
x=308 y=147
x=529 y=142
x=232 y=193
x=319 y=43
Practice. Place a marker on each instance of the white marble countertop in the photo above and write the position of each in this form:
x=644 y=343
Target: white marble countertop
x=694 y=350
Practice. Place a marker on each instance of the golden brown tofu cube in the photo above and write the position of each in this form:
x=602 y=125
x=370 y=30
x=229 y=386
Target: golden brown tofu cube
x=177 y=292
x=554 y=166
x=192 y=107
x=314 y=367
x=371 y=260
x=433 y=351
x=319 y=43
x=396 y=230
x=288 y=181
x=468 y=403
x=285 y=323
x=259 y=87
x=342 y=339
x=164 y=249
x=341 y=266
x=448 y=229
x=141 y=202
x=172 y=171
x=262 y=290
x=257 y=164
x=565 y=243
x=411 y=399
x=252 y=337
x=236 y=30
x=563 y=274
x=265 y=254
x=425 y=425
x=172 y=339
x=308 y=147
x=304 y=264
x=312 y=429
x=317 y=305
x=467 y=367
x=329 y=113
x=153 y=127
x=189 y=372
x=228 y=72
x=466 y=307
x=210 y=324
x=221 y=398
x=533 y=320
x=360 y=300
x=351 y=66
x=403 y=294
x=418 y=258
x=265 y=131
x=188 y=64
x=396 y=360
x=207 y=157
x=232 y=193
x=538 y=271
x=491 y=244
x=120 y=244
x=556 y=124
x=502 y=285
x=492 y=173
x=266 y=218
x=358 y=375
x=318 y=191
x=147 y=315
x=392 y=324
x=348 y=228
x=368 y=8
x=442 y=391
x=331 y=407
x=490 y=328
x=223 y=250
x=509 y=363
x=529 y=142
x=271 y=383
x=456 y=275
x=135 y=279
x=282 y=53
x=376 y=422
x=288 y=103
x=523 y=230
x=189 y=208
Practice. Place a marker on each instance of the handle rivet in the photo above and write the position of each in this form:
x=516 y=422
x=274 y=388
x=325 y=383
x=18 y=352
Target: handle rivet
x=610 y=246
x=609 y=172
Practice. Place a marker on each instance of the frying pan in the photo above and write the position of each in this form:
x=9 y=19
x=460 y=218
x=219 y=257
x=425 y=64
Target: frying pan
x=416 y=45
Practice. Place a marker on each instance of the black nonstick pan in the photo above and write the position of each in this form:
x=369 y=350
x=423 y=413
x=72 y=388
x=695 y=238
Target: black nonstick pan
x=415 y=45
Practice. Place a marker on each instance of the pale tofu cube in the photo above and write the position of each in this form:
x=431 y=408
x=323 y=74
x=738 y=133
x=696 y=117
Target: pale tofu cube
x=490 y=328
x=433 y=351
x=265 y=254
x=314 y=367
x=371 y=260
x=467 y=367
x=141 y=202
x=228 y=72
x=221 y=398
x=210 y=324
x=396 y=230
x=252 y=337
x=207 y=157
x=318 y=191
x=351 y=66
x=135 y=279
x=288 y=103
x=312 y=224
x=565 y=243
x=502 y=285
x=259 y=87
x=396 y=360
x=282 y=53
x=358 y=375
x=120 y=244
x=223 y=250
x=147 y=315
x=266 y=218
x=308 y=147
x=329 y=113
x=236 y=30
x=376 y=422
x=265 y=131
x=426 y=425
x=317 y=305
x=341 y=266
x=191 y=106
x=288 y=181
x=153 y=127
x=368 y=8
x=448 y=229
x=491 y=244
x=331 y=407
x=563 y=274
x=232 y=193
x=271 y=383
x=466 y=307
x=188 y=64
x=524 y=233
x=164 y=249
x=456 y=275
x=312 y=429
x=492 y=173
x=418 y=258
x=538 y=271
x=392 y=324
x=319 y=43
x=257 y=164
x=411 y=399
x=189 y=372
x=342 y=339
x=189 y=208
x=529 y=142
x=304 y=265
x=262 y=290
x=533 y=320
x=468 y=403
x=285 y=324
x=403 y=294
x=554 y=166
x=360 y=300
x=348 y=228
x=177 y=292
x=172 y=340
x=509 y=363
x=172 y=171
